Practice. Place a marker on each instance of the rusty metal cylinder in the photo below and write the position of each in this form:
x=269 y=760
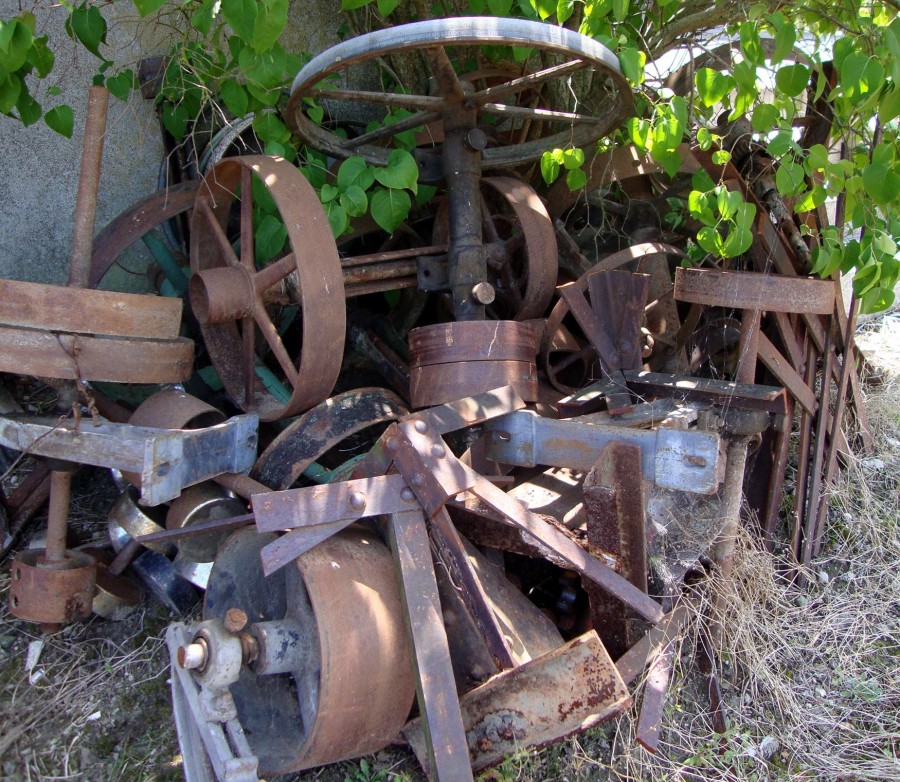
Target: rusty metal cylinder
x=450 y=361
x=52 y=593
x=221 y=295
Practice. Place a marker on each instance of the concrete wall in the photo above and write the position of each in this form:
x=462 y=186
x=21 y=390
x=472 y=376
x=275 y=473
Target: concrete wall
x=39 y=168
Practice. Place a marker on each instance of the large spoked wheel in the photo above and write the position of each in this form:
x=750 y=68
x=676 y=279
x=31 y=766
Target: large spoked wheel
x=494 y=105
x=230 y=295
x=520 y=242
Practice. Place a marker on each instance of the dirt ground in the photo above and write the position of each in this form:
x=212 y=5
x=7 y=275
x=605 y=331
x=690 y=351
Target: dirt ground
x=811 y=676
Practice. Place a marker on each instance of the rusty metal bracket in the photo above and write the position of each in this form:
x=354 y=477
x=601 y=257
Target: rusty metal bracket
x=672 y=458
x=167 y=459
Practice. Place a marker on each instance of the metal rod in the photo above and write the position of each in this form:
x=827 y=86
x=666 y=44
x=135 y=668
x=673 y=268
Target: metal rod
x=58 y=515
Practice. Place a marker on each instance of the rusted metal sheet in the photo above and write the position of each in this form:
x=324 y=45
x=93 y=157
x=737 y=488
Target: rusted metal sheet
x=700 y=389
x=83 y=357
x=686 y=460
x=444 y=746
x=53 y=308
x=654 y=698
x=573 y=688
x=614 y=507
x=318 y=430
x=753 y=291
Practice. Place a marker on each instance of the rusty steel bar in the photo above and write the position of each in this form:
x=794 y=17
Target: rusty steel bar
x=58 y=514
x=88 y=187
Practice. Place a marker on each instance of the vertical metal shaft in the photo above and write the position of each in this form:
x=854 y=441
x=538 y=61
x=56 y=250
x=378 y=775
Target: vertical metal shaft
x=58 y=515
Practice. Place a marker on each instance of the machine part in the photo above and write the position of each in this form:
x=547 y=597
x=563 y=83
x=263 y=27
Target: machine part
x=320 y=429
x=167 y=459
x=229 y=294
x=126 y=516
x=136 y=221
x=212 y=751
x=115 y=597
x=723 y=393
x=88 y=187
x=162 y=580
x=344 y=596
x=51 y=592
x=568 y=690
x=671 y=458
x=520 y=244
x=192 y=570
x=199 y=504
x=450 y=361
x=579 y=128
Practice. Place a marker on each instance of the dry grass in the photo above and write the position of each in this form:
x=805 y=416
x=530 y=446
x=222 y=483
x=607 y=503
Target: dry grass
x=811 y=678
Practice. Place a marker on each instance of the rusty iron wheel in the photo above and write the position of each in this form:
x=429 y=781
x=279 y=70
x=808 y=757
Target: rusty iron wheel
x=321 y=429
x=522 y=256
x=560 y=350
x=229 y=294
x=354 y=688
x=567 y=129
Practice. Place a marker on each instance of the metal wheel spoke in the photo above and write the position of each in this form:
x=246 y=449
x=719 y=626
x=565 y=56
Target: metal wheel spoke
x=542 y=115
x=413 y=102
x=518 y=85
x=487 y=223
x=248 y=339
x=448 y=82
x=247 y=218
x=386 y=131
x=570 y=358
x=273 y=339
x=204 y=210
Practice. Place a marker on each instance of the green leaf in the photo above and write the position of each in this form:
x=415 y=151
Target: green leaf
x=271 y=19
x=860 y=76
x=269 y=236
x=742 y=103
x=202 y=18
x=564 y=10
x=576 y=179
x=175 y=119
x=866 y=278
x=785 y=38
x=499 y=7
x=270 y=128
x=235 y=98
x=572 y=158
x=638 y=132
x=750 y=44
x=263 y=69
x=549 y=167
x=350 y=5
x=810 y=200
x=10 y=89
x=698 y=206
x=29 y=109
x=883 y=154
x=241 y=17
x=41 y=57
x=765 y=117
x=15 y=41
x=390 y=208
x=889 y=107
x=61 y=119
x=792 y=79
x=88 y=25
x=386 y=7
x=816 y=158
x=425 y=194
x=147 y=7
x=669 y=159
x=354 y=201
x=881 y=183
x=632 y=62
x=328 y=193
x=619 y=9
x=737 y=242
x=545 y=8
x=708 y=238
x=877 y=300
x=337 y=217
x=701 y=181
x=354 y=171
x=122 y=84
x=745 y=215
x=401 y=171
x=789 y=178
x=781 y=144
x=721 y=156
x=704 y=139
x=712 y=86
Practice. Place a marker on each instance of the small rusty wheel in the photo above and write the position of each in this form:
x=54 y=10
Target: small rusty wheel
x=560 y=350
x=346 y=686
x=229 y=294
x=520 y=243
x=320 y=429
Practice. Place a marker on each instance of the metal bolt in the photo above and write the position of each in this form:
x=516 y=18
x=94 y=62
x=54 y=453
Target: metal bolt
x=483 y=293
x=420 y=426
x=438 y=452
x=417 y=480
x=476 y=140
x=407 y=495
x=192 y=656
x=235 y=620
x=391 y=445
x=357 y=500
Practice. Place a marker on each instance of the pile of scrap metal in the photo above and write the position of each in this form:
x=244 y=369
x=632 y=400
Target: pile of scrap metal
x=467 y=579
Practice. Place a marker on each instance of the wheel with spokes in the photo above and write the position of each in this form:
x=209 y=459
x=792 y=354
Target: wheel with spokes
x=495 y=104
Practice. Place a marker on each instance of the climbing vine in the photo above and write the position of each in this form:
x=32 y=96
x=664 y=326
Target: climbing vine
x=784 y=69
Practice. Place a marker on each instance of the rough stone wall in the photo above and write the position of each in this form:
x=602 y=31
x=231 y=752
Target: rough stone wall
x=39 y=175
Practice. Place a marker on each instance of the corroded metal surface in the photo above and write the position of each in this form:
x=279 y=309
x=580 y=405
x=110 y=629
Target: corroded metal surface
x=227 y=289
